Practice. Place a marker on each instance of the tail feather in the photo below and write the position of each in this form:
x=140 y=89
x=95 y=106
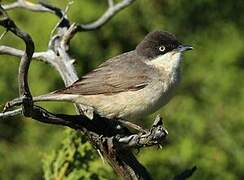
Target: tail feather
x=56 y=97
x=87 y=110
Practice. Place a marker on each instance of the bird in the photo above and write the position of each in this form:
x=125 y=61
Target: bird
x=130 y=85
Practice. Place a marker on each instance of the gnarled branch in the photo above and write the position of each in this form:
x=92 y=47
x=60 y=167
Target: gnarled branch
x=24 y=89
x=30 y=6
x=112 y=10
x=121 y=159
x=115 y=143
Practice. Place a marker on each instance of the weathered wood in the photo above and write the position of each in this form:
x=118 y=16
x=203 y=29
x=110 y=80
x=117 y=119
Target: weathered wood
x=120 y=158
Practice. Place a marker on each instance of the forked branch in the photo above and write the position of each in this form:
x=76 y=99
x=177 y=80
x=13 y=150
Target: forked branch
x=113 y=9
x=121 y=159
x=112 y=140
x=30 y=6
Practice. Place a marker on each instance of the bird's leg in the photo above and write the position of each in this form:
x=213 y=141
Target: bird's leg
x=132 y=126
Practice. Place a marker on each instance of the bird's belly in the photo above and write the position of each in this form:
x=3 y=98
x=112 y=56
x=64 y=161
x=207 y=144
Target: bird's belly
x=132 y=104
x=150 y=101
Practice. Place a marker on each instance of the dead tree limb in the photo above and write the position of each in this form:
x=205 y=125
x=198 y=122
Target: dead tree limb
x=121 y=159
x=19 y=53
x=114 y=141
x=24 y=90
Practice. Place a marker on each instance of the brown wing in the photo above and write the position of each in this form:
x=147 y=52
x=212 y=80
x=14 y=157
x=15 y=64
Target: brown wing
x=122 y=73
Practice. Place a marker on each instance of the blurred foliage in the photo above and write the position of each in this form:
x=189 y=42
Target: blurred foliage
x=75 y=159
x=205 y=120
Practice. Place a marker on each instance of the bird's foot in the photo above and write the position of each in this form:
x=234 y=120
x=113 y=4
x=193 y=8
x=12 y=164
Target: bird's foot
x=132 y=126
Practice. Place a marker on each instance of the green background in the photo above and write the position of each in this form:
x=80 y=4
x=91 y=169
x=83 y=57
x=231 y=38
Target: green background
x=205 y=119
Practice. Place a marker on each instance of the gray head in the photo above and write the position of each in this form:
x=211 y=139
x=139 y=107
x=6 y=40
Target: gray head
x=158 y=43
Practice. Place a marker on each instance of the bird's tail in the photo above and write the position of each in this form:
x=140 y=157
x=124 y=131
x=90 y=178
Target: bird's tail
x=87 y=110
x=47 y=97
x=56 y=97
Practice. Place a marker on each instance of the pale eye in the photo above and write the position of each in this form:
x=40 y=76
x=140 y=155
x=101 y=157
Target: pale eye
x=162 y=48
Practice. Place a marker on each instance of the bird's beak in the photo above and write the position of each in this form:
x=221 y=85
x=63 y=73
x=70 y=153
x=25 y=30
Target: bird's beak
x=183 y=48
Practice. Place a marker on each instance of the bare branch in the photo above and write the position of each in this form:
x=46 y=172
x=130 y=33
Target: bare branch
x=27 y=5
x=101 y=128
x=110 y=3
x=115 y=150
x=10 y=113
x=3 y=34
x=47 y=57
x=111 y=11
x=11 y=51
x=19 y=53
x=24 y=89
x=42 y=7
x=63 y=19
x=68 y=35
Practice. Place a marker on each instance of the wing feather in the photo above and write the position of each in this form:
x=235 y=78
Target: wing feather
x=113 y=76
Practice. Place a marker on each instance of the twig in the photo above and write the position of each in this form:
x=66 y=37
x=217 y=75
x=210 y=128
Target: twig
x=63 y=18
x=111 y=11
x=10 y=113
x=3 y=34
x=27 y=5
x=64 y=22
x=42 y=56
x=110 y=3
x=43 y=7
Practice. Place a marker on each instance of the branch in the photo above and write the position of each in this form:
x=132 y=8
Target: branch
x=111 y=11
x=11 y=51
x=41 y=7
x=24 y=90
x=19 y=53
x=113 y=148
x=27 y=5
x=10 y=113
x=102 y=126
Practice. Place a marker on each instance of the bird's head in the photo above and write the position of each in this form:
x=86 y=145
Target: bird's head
x=161 y=47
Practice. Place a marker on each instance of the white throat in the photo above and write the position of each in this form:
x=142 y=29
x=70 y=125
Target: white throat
x=169 y=62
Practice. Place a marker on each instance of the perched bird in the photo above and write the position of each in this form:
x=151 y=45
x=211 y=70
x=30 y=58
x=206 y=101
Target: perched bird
x=130 y=85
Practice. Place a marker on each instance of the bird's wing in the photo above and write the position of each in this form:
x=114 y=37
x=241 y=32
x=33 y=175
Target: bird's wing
x=126 y=72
